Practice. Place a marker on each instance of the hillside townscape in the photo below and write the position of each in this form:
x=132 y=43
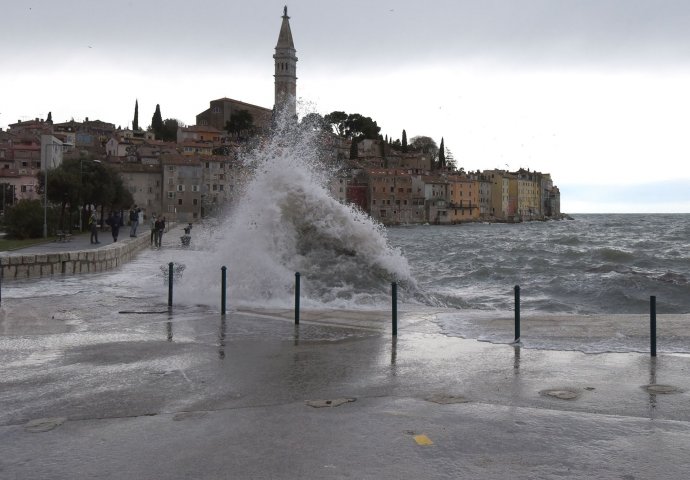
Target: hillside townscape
x=187 y=173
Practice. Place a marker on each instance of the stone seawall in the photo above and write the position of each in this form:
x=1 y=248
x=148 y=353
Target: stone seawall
x=31 y=265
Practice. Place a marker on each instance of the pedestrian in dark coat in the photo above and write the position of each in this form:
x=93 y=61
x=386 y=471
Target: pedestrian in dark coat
x=114 y=220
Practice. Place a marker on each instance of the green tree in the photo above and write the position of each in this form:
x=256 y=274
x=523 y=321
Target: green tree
x=450 y=160
x=359 y=126
x=314 y=121
x=442 y=156
x=404 y=141
x=25 y=219
x=78 y=182
x=423 y=144
x=168 y=132
x=157 y=122
x=336 y=120
x=50 y=117
x=426 y=145
x=353 y=149
x=241 y=123
x=135 y=122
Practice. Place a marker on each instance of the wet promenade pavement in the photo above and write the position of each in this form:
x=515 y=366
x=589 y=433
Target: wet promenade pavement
x=147 y=393
x=79 y=241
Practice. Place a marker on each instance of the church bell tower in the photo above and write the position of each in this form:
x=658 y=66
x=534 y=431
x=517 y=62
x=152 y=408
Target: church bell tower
x=285 y=70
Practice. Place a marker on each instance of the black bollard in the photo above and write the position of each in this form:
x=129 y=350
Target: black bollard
x=517 y=313
x=297 y=298
x=223 y=286
x=652 y=324
x=170 y=284
x=394 y=307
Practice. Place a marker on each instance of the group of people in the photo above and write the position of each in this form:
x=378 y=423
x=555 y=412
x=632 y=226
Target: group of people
x=115 y=220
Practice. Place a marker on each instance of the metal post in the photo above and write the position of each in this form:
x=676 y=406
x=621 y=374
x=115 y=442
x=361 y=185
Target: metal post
x=45 y=194
x=81 y=182
x=170 y=284
x=297 y=275
x=517 y=313
x=394 y=305
x=652 y=324
x=223 y=287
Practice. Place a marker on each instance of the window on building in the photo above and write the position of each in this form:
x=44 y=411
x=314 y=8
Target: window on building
x=195 y=201
x=180 y=188
x=171 y=168
x=179 y=201
x=220 y=187
x=171 y=194
x=382 y=213
x=195 y=188
x=215 y=187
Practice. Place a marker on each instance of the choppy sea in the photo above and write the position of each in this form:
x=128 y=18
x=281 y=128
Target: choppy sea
x=585 y=283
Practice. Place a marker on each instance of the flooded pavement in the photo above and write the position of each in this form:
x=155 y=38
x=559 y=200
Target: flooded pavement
x=137 y=391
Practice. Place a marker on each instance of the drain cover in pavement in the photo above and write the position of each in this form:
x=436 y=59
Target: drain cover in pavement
x=560 y=393
x=44 y=424
x=335 y=402
x=663 y=389
x=445 y=399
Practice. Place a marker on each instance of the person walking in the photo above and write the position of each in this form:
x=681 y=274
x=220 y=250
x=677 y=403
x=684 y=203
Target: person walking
x=161 y=229
x=154 y=230
x=93 y=224
x=114 y=221
x=133 y=221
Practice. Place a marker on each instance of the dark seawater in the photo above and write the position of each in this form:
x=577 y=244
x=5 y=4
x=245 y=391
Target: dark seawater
x=594 y=264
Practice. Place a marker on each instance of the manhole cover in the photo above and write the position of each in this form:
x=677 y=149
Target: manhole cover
x=335 y=402
x=44 y=424
x=560 y=393
x=444 y=399
x=663 y=389
x=188 y=415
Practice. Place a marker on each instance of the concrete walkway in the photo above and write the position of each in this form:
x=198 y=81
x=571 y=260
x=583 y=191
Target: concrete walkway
x=151 y=393
x=80 y=242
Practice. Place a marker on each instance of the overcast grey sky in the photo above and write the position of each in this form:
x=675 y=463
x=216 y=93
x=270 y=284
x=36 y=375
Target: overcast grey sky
x=593 y=92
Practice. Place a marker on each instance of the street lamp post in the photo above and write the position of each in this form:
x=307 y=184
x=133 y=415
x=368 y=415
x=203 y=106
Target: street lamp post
x=45 y=188
x=81 y=183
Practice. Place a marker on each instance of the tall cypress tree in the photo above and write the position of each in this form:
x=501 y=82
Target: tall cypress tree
x=404 y=141
x=442 y=156
x=157 y=122
x=50 y=117
x=135 y=122
x=353 y=149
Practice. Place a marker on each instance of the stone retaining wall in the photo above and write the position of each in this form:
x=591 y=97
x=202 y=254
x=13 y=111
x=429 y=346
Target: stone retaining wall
x=68 y=263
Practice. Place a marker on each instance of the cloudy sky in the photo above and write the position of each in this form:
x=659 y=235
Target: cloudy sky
x=595 y=92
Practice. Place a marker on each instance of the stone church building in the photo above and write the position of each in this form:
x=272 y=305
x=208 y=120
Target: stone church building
x=285 y=59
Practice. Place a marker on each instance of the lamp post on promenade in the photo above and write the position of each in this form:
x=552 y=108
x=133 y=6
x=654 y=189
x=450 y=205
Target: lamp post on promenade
x=81 y=184
x=45 y=186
